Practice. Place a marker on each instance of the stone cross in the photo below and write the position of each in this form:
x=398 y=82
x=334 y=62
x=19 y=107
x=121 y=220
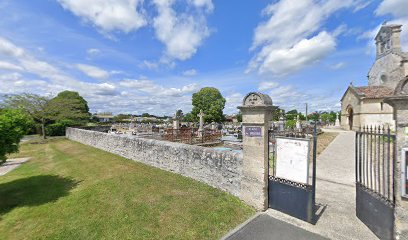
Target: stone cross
x=298 y=123
x=337 y=124
x=201 y=116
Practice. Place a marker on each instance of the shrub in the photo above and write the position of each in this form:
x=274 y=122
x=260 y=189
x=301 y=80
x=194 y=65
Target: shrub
x=14 y=124
x=58 y=128
x=291 y=124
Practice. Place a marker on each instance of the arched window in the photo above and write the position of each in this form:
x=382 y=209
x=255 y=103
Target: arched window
x=383 y=78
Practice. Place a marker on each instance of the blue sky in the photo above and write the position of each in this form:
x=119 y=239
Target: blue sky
x=135 y=56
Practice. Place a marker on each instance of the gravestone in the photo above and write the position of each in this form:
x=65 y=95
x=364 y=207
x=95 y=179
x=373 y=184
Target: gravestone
x=281 y=123
x=201 y=126
x=337 y=120
x=298 y=123
x=256 y=116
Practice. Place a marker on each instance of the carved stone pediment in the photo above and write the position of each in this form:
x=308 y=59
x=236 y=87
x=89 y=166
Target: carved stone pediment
x=257 y=99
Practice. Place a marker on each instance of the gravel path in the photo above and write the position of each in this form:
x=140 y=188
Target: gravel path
x=11 y=164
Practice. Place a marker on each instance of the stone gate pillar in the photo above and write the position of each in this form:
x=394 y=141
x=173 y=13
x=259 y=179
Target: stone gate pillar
x=400 y=105
x=256 y=116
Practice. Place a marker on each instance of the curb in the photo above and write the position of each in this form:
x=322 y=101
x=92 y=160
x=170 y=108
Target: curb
x=239 y=227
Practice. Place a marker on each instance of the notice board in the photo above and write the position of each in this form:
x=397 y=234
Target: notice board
x=292 y=159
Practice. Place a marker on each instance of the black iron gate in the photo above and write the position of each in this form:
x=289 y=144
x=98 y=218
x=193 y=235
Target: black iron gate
x=293 y=198
x=375 y=161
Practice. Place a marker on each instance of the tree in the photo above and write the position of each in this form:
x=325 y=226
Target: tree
x=14 y=124
x=211 y=102
x=188 y=117
x=239 y=116
x=276 y=113
x=314 y=116
x=294 y=111
x=34 y=105
x=69 y=105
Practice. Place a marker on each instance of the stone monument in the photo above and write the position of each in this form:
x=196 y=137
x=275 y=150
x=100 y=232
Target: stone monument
x=176 y=120
x=337 y=124
x=298 y=123
x=256 y=116
x=201 y=126
x=281 y=123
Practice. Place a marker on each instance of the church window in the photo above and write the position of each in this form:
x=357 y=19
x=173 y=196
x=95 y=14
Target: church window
x=388 y=44
x=382 y=106
x=383 y=78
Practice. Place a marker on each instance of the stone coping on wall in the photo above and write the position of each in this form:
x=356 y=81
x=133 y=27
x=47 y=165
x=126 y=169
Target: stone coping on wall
x=219 y=169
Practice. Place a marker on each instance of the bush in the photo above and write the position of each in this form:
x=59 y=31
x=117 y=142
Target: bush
x=14 y=124
x=291 y=124
x=58 y=128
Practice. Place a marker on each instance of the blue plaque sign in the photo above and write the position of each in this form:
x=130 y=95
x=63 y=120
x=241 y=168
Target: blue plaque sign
x=253 y=132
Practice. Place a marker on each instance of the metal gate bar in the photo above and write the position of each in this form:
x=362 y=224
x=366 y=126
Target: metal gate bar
x=375 y=162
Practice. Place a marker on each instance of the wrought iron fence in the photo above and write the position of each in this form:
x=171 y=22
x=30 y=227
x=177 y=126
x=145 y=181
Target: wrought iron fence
x=375 y=161
x=191 y=135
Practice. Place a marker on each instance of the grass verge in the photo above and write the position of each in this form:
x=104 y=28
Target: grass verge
x=72 y=191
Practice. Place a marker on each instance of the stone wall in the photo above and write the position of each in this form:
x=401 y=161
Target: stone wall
x=220 y=169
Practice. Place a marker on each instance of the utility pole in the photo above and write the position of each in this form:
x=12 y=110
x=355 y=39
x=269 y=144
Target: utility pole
x=306 y=112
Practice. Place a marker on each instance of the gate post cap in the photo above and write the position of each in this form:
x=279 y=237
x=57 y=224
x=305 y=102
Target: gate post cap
x=257 y=99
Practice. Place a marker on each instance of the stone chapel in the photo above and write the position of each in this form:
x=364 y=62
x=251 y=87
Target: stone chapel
x=364 y=105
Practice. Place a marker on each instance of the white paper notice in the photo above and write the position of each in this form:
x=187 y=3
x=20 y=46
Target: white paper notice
x=292 y=159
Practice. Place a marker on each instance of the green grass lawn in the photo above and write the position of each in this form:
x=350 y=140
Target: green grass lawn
x=72 y=191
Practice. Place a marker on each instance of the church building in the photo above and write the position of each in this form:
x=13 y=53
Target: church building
x=364 y=105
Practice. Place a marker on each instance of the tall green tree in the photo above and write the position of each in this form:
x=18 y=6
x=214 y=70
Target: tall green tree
x=69 y=105
x=34 y=105
x=212 y=103
x=14 y=124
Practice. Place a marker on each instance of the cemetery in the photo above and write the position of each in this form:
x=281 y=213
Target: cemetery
x=114 y=156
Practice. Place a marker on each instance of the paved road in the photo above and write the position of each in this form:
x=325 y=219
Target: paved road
x=335 y=191
x=265 y=227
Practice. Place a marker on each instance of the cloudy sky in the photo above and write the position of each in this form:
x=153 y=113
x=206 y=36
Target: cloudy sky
x=135 y=56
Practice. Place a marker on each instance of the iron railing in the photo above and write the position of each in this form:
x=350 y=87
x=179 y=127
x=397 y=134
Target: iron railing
x=376 y=151
x=191 y=135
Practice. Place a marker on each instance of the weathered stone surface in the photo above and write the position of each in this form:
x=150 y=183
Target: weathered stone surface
x=400 y=105
x=220 y=169
x=256 y=112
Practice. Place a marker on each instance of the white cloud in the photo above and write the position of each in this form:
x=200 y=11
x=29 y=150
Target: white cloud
x=362 y=5
x=109 y=15
x=126 y=96
x=337 y=66
x=150 y=65
x=9 y=66
x=232 y=101
x=93 y=72
x=9 y=49
x=267 y=85
x=190 y=73
x=398 y=8
x=93 y=52
x=181 y=33
x=150 y=87
x=307 y=51
x=207 y=4
x=290 y=39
